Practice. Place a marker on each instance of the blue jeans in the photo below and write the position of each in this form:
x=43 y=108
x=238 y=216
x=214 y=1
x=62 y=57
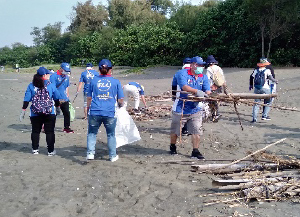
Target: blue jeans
x=266 y=101
x=95 y=122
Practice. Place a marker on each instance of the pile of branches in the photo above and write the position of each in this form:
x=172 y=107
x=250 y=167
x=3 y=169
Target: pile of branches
x=278 y=179
x=165 y=96
x=152 y=112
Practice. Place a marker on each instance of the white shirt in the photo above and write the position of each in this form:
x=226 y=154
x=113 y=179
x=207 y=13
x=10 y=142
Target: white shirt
x=210 y=71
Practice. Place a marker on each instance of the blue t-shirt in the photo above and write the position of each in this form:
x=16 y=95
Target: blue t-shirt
x=181 y=78
x=139 y=87
x=31 y=91
x=105 y=91
x=87 y=76
x=62 y=89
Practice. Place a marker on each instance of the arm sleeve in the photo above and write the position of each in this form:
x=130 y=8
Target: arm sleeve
x=120 y=91
x=25 y=105
x=28 y=94
x=181 y=79
x=56 y=94
x=206 y=84
x=271 y=78
x=52 y=79
x=272 y=70
x=81 y=77
x=251 y=78
x=68 y=82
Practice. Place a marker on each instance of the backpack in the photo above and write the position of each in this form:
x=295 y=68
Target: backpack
x=218 y=77
x=41 y=102
x=259 y=79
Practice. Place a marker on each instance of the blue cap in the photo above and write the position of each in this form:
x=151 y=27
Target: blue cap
x=105 y=62
x=43 y=71
x=89 y=65
x=66 y=67
x=187 y=60
x=198 y=60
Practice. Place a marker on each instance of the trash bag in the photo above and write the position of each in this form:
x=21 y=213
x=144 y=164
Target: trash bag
x=126 y=130
x=72 y=112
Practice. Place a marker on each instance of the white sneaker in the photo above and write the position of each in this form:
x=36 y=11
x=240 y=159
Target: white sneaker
x=35 y=151
x=90 y=157
x=114 y=158
x=50 y=154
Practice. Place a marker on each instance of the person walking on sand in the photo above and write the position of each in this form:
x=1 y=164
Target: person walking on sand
x=103 y=94
x=17 y=67
x=259 y=79
x=62 y=82
x=41 y=93
x=216 y=77
x=191 y=80
x=86 y=77
x=136 y=90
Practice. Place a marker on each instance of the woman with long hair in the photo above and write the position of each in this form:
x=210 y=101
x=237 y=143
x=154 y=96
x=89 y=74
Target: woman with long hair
x=41 y=93
x=103 y=94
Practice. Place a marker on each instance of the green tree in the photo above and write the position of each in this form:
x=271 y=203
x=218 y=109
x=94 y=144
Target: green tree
x=161 y=6
x=274 y=17
x=47 y=33
x=147 y=44
x=88 y=18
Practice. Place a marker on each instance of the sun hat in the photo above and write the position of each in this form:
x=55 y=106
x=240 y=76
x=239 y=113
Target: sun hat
x=66 y=67
x=187 y=60
x=198 y=60
x=89 y=65
x=210 y=59
x=43 y=71
x=263 y=62
x=105 y=62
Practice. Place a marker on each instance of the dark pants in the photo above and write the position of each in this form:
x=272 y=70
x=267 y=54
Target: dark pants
x=66 y=112
x=49 y=124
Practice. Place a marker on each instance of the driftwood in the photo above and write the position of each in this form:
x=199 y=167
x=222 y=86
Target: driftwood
x=228 y=168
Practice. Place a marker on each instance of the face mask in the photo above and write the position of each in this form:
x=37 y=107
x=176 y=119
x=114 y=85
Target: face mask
x=65 y=73
x=199 y=70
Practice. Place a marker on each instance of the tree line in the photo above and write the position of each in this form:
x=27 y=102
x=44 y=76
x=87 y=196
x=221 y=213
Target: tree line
x=152 y=32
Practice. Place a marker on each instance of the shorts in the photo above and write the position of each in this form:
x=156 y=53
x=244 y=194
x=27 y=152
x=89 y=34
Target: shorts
x=194 y=123
x=84 y=99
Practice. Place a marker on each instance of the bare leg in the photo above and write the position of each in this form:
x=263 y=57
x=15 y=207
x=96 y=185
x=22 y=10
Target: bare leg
x=173 y=138
x=195 y=141
x=85 y=112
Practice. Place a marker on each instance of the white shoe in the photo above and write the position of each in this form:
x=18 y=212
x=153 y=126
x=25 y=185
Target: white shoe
x=90 y=157
x=35 y=151
x=114 y=158
x=50 y=154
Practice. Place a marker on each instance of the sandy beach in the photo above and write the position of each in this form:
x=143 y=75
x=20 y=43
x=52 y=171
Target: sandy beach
x=142 y=182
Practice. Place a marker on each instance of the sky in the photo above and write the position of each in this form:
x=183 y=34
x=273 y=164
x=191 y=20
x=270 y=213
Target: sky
x=17 y=17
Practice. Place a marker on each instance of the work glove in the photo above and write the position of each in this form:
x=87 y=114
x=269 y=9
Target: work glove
x=58 y=110
x=250 y=88
x=200 y=93
x=22 y=115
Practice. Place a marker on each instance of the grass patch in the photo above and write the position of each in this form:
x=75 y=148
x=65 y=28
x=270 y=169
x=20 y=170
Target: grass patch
x=136 y=70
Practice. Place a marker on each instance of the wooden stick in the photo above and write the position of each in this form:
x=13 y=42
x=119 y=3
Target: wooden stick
x=238 y=114
x=254 y=153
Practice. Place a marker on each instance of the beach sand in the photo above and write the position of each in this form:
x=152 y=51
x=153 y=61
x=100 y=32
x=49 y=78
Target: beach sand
x=141 y=182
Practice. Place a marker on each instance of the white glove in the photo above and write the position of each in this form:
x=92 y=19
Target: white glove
x=200 y=93
x=22 y=115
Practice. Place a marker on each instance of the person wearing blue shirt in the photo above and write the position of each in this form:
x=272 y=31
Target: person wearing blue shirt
x=194 y=81
x=86 y=77
x=103 y=95
x=136 y=90
x=40 y=82
x=62 y=82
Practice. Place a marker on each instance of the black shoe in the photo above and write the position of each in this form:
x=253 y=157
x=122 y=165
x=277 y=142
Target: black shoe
x=253 y=121
x=266 y=118
x=173 y=149
x=184 y=132
x=197 y=154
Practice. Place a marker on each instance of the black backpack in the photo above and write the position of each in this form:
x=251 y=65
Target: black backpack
x=259 y=79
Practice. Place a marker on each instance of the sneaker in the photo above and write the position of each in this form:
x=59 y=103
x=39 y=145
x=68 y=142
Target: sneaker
x=35 y=151
x=197 y=154
x=266 y=118
x=137 y=111
x=90 y=157
x=173 y=150
x=253 y=121
x=184 y=132
x=115 y=158
x=68 y=130
x=50 y=154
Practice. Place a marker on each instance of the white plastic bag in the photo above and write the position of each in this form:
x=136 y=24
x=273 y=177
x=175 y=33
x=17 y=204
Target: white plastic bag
x=126 y=130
